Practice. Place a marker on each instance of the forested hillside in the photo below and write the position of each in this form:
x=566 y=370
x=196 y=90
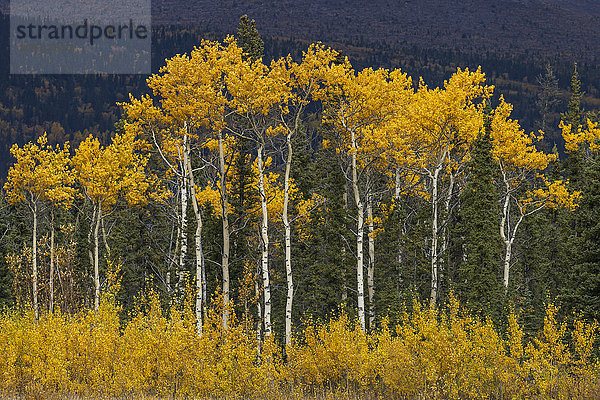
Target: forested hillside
x=247 y=223
x=69 y=107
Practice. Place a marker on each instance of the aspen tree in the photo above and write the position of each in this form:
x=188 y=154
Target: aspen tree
x=305 y=82
x=358 y=105
x=40 y=174
x=257 y=93
x=194 y=107
x=520 y=163
x=107 y=174
x=444 y=121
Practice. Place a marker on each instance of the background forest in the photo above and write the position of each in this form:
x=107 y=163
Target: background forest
x=311 y=188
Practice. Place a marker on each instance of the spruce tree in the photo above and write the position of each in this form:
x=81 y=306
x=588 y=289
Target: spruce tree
x=478 y=278
x=573 y=114
x=580 y=291
x=5 y=276
x=548 y=98
x=249 y=39
x=574 y=162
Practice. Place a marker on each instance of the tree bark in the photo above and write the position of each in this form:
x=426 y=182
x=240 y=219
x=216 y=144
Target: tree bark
x=446 y=232
x=399 y=258
x=51 y=307
x=34 y=256
x=183 y=220
x=288 y=246
x=225 y=220
x=434 y=238
x=265 y=242
x=344 y=281
x=359 y=237
x=259 y=313
x=371 y=266
x=96 y=257
x=198 y=244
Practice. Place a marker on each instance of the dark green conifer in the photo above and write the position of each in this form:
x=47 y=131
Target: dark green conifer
x=249 y=39
x=580 y=291
x=478 y=278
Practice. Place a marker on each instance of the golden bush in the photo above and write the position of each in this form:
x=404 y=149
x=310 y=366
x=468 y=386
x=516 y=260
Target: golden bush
x=432 y=354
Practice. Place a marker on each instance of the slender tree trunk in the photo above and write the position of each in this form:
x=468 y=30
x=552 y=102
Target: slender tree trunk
x=359 y=237
x=259 y=313
x=288 y=246
x=198 y=244
x=397 y=192
x=371 y=266
x=51 y=260
x=90 y=248
x=398 y=185
x=225 y=220
x=507 y=257
x=104 y=237
x=265 y=242
x=505 y=234
x=446 y=233
x=34 y=256
x=344 y=282
x=434 y=238
x=508 y=238
x=183 y=220
x=96 y=257
x=175 y=253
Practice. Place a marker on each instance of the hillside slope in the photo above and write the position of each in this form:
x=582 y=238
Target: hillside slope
x=534 y=27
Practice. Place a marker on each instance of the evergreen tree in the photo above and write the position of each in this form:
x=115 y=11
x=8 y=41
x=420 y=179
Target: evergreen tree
x=574 y=162
x=547 y=101
x=573 y=114
x=249 y=39
x=243 y=196
x=580 y=291
x=5 y=228
x=478 y=277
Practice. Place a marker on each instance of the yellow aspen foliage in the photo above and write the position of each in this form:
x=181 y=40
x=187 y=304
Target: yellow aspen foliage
x=105 y=173
x=40 y=173
x=575 y=139
x=513 y=148
x=431 y=353
x=554 y=195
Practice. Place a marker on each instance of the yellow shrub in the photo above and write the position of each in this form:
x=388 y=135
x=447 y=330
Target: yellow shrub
x=430 y=354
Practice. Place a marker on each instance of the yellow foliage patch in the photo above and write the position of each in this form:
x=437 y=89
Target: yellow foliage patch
x=430 y=354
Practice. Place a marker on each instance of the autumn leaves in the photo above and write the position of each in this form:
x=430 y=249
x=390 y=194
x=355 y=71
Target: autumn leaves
x=43 y=176
x=393 y=138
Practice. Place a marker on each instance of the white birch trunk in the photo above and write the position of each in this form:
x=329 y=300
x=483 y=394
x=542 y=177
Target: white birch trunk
x=359 y=237
x=446 y=234
x=96 y=257
x=259 y=314
x=434 y=238
x=507 y=242
x=288 y=247
x=34 y=256
x=508 y=237
x=397 y=184
x=344 y=283
x=265 y=242
x=198 y=244
x=371 y=266
x=397 y=191
x=183 y=220
x=51 y=307
x=225 y=220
